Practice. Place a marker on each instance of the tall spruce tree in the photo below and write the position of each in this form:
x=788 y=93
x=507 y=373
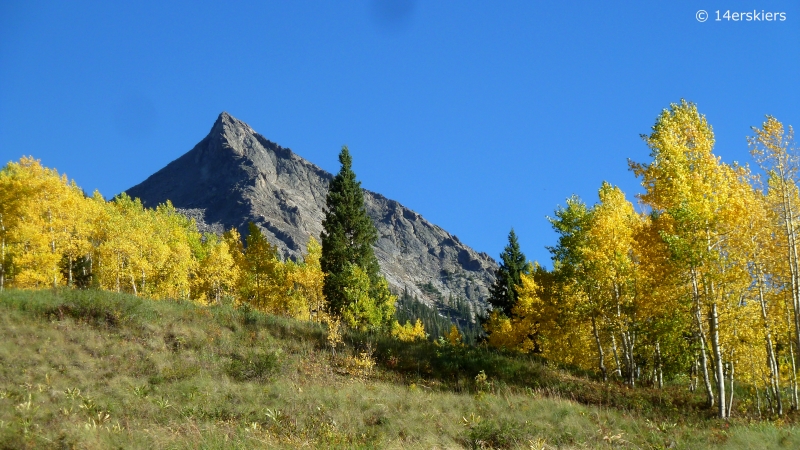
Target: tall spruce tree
x=503 y=294
x=347 y=239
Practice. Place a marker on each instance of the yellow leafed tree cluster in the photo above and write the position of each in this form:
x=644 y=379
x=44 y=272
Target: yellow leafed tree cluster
x=409 y=332
x=702 y=285
x=52 y=234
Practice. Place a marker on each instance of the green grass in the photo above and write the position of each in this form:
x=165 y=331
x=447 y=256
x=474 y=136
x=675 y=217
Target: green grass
x=88 y=369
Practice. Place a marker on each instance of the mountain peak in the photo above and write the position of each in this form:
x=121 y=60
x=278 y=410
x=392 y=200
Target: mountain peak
x=226 y=119
x=235 y=176
x=231 y=129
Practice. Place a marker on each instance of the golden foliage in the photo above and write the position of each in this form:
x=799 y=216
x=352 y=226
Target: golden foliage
x=409 y=332
x=53 y=235
x=454 y=337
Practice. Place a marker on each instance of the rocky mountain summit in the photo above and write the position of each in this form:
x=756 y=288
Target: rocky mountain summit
x=235 y=176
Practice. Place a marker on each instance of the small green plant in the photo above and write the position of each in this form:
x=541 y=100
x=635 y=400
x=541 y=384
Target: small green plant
x=334 y=335
x=472 y=421
x=362 y=364
x=99 y=421
x=27 y=425
x=274 y=414
x=72 y=393
x=482 y=383
x=162 y=403
x=141 y=390
x=538 y=443
x=27 y=406
x=88 y=405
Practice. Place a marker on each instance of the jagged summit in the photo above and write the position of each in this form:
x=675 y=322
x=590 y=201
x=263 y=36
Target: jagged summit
x=229 y=128
x=234 y=176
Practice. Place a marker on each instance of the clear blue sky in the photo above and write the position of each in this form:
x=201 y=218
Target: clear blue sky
x=478 y=115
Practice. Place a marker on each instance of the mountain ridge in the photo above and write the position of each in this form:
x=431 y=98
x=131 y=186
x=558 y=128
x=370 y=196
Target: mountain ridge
x=235 y=175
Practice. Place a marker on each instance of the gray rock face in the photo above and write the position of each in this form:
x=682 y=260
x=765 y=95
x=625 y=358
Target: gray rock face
x=235 y=176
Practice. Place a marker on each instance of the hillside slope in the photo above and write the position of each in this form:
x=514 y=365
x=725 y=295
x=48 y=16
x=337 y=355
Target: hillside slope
x=89 y=369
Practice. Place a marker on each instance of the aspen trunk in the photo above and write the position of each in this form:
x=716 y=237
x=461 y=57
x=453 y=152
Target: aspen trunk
x=600 y=353
x=791 y=240
x=758 y=402
x=794 y=379
x=774 y=373
x=718 y=365
x=730 y=381
x=627 y=346
x=701 y=337
x=2 y=260
x=630 y=364
x=52 y=243
x=659 y=371
x=618 y=370
x=628 y=343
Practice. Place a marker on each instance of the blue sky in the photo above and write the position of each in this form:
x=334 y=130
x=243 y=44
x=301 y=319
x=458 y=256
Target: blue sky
x=478 y=115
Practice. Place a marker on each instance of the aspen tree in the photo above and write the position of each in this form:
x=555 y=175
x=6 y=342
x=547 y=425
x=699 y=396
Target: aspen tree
x=608 y=254
x=687 y=185
x=217 y=272
x=262 y=272
x=10 y=204
x=576 y=272
x=37 y=221
x=306 y=281
x=409 y=332
x=774 y=150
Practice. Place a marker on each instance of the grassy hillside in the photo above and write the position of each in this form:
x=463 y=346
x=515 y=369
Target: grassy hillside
x=88 y=369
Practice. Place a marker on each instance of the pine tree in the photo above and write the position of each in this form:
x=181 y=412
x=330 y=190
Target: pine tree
x=347 y=239
x=503 y=294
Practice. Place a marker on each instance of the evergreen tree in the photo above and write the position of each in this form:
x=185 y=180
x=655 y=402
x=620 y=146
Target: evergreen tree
x=347 y=239
x=503 y=294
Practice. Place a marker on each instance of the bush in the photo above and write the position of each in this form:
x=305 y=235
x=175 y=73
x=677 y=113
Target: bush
x=491 y=434
x=255 y=366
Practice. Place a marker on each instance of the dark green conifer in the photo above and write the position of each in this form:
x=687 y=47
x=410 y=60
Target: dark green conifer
x=503 y=294
x=347 y=238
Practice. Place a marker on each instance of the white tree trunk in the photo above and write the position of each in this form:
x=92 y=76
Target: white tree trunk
x=719 y=367
x=702 y=338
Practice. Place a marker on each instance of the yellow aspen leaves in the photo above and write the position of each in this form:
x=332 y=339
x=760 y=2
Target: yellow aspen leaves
x=409 y=332
x=51 y=234
x=217 y=272
x=40 y=221
x=454 y=337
